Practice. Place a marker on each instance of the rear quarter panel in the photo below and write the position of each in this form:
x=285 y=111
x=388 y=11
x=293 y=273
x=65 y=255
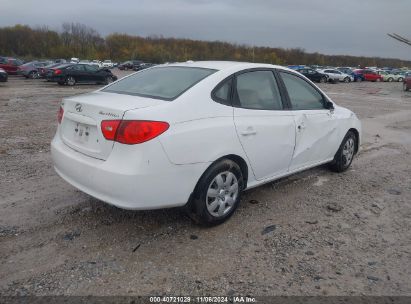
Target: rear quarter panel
x=201 y=130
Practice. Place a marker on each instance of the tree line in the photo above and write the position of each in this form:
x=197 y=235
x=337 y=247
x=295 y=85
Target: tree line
x=78 y=40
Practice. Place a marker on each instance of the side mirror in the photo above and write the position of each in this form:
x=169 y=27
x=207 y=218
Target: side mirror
x=329 y=105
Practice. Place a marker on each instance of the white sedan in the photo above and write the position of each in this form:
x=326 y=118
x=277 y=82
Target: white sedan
x=197 y=134
x=107 y=64
x=336 y=76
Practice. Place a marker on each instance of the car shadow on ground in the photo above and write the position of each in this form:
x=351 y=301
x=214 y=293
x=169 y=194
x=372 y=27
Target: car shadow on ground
x=94 y=212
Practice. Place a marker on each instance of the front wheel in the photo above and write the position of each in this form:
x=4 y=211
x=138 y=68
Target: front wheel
x=346 y=79
x=345 y=154
x=33 y=75
x=217 y=194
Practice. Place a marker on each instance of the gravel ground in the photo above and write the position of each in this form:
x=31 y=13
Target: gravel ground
x=314 y=233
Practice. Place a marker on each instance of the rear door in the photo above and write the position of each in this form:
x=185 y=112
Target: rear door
x=264 y=126
x=92 y=74
x=316 y=127
x=14 y=65
x=78 y=72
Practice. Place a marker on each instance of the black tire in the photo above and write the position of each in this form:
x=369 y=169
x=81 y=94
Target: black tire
x=323 y=79
x=347 y=80
x=340 y=163
x=70 y=81
x=60 y=83
x=400 y=79
x=390 y=79
x=197 y=206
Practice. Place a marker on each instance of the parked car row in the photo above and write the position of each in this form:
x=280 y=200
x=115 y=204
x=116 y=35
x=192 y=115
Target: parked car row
x=59 y=70
x=135 y=65
x=347 y=74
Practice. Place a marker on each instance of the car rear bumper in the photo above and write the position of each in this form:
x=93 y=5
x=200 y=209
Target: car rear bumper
x=126 y=179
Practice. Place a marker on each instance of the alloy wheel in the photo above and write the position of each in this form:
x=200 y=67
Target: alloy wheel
x=71 y=81
x=348 y=151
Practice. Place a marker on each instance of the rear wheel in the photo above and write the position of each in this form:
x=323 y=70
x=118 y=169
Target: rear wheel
x=217 y=194
x=60 y=82
x=347 y=79
x=345 y=154
x=108 y=80
x=405 y=87
x=70 y=81
x=323 y=79
x=390 y=79
x=400 y=79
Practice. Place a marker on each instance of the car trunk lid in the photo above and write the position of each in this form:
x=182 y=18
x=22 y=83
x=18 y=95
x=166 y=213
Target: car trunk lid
x=81 y=125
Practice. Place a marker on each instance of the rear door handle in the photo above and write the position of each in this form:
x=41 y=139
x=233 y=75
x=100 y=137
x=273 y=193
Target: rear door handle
x=249 y=131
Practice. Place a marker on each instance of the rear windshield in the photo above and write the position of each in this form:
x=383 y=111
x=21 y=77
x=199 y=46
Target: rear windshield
x=160 y=82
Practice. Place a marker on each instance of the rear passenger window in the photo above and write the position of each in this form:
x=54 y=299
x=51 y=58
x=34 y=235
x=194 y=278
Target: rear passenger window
x=223 y=91
x=258 y=90
x=302 y=95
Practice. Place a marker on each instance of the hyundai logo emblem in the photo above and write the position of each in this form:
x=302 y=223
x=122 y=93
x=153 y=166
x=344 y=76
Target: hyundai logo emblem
x=78 y=107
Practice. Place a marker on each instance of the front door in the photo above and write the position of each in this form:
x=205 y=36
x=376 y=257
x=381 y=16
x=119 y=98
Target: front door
x=316 y=127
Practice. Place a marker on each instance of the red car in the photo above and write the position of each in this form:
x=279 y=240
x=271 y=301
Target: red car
x=369 y=75
x=407 y=82
x=10 y=65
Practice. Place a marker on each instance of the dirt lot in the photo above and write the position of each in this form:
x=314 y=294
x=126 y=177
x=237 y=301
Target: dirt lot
x=333 y=234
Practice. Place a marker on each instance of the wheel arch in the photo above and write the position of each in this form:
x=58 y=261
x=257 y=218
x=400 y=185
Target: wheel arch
x=235 y=158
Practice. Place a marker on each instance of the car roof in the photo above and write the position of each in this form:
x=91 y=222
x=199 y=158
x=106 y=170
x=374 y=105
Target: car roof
x=226 y=65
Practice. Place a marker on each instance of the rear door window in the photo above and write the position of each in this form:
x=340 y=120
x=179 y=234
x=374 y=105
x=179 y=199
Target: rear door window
x=91 y=68
x=258 y=90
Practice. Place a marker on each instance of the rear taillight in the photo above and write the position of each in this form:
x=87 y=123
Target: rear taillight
x=132 y=132
x=57 y=72
x=60 y=114
x=109 y=128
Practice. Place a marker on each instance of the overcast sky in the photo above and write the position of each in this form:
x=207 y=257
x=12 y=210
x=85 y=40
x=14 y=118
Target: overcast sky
x=354 y=27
